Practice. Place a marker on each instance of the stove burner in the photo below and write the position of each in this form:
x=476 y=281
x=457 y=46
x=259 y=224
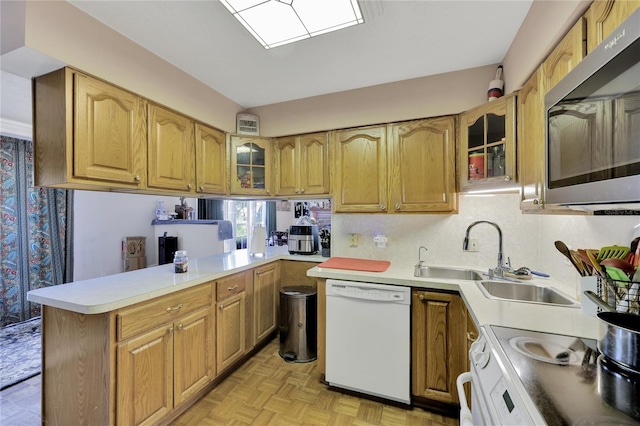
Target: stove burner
x=543 y=350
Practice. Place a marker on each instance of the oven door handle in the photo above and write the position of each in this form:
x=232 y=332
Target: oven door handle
x=465 y=413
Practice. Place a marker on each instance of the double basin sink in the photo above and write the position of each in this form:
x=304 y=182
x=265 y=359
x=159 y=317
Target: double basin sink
x=501 y=290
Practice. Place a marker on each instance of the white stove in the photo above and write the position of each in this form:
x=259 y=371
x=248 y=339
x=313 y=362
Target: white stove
x=523 y=377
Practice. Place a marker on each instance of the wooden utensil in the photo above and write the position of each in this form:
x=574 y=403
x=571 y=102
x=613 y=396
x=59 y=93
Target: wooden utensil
x=584 y=271
x=592 y=254
x=582 y=255
x=562 y=248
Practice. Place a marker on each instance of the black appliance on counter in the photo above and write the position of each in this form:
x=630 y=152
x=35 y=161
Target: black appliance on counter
x=303 y=239
x=167 y=246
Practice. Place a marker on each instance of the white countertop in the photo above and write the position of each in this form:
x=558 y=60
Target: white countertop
x=105 y=294
x=100 y=295
x=529 y=316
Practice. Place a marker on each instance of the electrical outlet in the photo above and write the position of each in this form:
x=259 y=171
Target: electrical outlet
x=380 y=241
x=353 y=240
x=474 y=245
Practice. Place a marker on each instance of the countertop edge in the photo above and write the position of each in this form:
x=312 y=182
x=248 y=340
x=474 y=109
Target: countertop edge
x=570 y=321
x=112 y=292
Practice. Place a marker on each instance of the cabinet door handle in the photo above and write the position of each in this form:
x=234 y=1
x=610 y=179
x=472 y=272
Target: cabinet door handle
x=295 y=190
x=234 y=288
x=302 y=190
x=137 y=178
x=189 y=186
x=471 y=336
x=201 y=187
x=170 y=330
x=507 y=178
x=383 y=207
x=180 y=326
x=221 y=307
x=420 y=296
x=397 y=206
x=267 y=191
x=175 y=308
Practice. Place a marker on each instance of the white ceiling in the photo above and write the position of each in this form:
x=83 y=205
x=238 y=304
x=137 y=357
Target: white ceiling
x=399 y=40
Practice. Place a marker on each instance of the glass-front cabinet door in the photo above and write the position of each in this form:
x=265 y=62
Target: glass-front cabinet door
x=250 y=165
x=487 y=145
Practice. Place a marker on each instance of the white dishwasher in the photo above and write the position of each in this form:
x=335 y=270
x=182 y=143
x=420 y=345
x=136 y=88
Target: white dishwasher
x=368 y=344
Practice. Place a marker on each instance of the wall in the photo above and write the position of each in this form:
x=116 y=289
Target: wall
x=102 y=219
x=58 y=30
x=527 y=239
x=432 y=96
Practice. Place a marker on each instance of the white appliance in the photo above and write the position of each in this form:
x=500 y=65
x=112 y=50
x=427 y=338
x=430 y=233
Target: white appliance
x=368 y=345
x=522 y=377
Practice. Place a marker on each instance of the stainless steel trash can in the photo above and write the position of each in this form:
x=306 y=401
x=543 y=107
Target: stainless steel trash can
x=298 y=324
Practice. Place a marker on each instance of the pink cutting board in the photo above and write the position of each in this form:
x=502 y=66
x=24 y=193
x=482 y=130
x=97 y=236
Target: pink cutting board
x=356 y=264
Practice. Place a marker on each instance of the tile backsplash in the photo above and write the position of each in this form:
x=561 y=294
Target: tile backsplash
x=528 y=239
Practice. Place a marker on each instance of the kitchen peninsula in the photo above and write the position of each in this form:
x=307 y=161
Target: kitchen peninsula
x=140 y=347
x=208 y=318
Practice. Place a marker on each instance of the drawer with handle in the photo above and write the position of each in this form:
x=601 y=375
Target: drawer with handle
x=144 y=316
x=231 y=285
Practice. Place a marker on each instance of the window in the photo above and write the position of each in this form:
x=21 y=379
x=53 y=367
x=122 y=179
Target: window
x=245 y=215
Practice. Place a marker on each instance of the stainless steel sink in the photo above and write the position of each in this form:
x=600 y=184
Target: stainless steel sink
x=523 y=292
x=447 y=273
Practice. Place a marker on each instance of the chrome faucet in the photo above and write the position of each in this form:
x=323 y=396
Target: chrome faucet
x=501 y=268
x=420 y=270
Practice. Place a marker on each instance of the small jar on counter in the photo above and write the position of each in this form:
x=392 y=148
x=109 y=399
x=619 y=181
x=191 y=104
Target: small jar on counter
x=181 y=261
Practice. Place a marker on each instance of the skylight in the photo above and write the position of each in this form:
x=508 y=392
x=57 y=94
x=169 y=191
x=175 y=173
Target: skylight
x=277 y=22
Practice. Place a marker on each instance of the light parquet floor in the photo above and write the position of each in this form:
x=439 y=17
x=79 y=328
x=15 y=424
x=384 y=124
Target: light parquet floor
x=266 y=390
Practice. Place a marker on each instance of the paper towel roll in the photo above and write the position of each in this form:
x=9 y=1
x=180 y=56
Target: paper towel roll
x=258 y=240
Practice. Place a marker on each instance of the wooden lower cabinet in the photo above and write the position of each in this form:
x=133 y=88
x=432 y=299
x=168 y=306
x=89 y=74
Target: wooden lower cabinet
x=144 y=386
x=294 y=273
x=439 y=347
x=161 y=368
x=265 y=292
x=230 y=331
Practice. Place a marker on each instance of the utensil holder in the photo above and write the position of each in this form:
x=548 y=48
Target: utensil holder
x=621 y=295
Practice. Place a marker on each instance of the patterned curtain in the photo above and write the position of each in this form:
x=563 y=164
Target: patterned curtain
x=36 y=235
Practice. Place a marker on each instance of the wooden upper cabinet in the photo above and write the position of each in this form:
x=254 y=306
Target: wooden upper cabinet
x=88 y=133
x=250 y=166
x=109 y=132
x=566 y=55
x=488 y=145
x=171 y=150
x=301 y=165
x=314 y=164
x=286 y=179
x=422 y=165
x=211 y=160
x=531 y=143
x=604 y=16
x=360 y=170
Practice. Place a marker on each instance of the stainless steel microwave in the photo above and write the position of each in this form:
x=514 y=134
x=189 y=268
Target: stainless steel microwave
x=593 y=126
